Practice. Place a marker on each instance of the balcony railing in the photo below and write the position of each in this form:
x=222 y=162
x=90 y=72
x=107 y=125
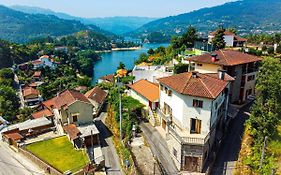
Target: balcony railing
x=166 y=117
x=188 y=139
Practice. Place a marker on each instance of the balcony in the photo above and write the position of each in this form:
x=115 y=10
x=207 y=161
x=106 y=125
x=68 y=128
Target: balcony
x=184 y=137
x=161 y=113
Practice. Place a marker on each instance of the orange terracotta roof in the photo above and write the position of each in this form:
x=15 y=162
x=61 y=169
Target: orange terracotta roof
x=200 y=86
x=72 y=131
x=238 y=38
x=147 y=89
x=42 y=113
x=14 y=136
x=109 y=78
x=96 y=94
x=37 y=74
x=226 y=58
x=34 y=85
x=225 y=33
x=30 y=91
x=45 y=56
x=65 y=98
x=36 y=62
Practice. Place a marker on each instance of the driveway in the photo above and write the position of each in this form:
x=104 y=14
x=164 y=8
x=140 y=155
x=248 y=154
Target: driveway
x=12 y=163
x=231 y=145
x=111 y=157
x=159 y=148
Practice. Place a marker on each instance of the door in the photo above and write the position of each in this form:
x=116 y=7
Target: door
x=191 y=164
x=164 y=124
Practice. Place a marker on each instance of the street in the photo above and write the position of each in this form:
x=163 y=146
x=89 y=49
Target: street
x=12 y=163
x=159 y=148
x=111 y=157
x=230 y=148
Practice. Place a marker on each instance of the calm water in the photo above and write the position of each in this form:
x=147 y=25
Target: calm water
x=110 y=61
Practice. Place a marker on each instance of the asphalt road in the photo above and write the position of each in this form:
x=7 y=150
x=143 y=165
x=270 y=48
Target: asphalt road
x=111 y=157
x=159 y=148
x=12 y=163
x=231 y=145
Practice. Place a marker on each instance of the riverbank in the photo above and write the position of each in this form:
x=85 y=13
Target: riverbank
x=119 y=49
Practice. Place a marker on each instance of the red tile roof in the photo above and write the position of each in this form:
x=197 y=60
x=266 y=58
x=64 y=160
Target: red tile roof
x=96 y=94
x=30 y=91
x=36 y=62
x=225 y=33
x=109 y=78
x=45 y=56
x=66 y=97
x=72 y=131
x=226 y=78
x=37 y=74
x=14 y=136
x=147 y=89
x=226 y=58
x=42 y=113
x=200 y=86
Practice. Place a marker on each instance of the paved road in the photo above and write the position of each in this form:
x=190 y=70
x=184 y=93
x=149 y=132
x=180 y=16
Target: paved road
x=229 y=151
x=159 y=148
x=111 y=157
x=12 y=163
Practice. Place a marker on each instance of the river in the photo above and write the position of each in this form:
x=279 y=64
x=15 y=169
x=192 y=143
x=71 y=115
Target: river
x=109 y=61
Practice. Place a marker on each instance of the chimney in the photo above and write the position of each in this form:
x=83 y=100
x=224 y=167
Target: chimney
x=194 y=74
x=222 y=74
x=214 y=57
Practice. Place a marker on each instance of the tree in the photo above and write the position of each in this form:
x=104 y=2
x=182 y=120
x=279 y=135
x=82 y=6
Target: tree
x=189 y=37
x=232 y=30
x=218 y=40
x=180 y=68
x=270 y=50
x=278 y=49
x=25 y=113
x=121 y=66
x=150 y=51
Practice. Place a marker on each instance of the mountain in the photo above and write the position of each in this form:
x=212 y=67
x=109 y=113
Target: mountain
x=117 y=25
x=22 y=27
x=248 y=16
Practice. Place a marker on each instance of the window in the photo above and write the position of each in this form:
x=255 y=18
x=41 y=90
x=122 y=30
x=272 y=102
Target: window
x=75 y=118
x=166 y=90
x=169 y=93
x=251 y=77
x=198 y=103
x=195 y=126
x=199 y=65
x=161 y=87
x=175 y=152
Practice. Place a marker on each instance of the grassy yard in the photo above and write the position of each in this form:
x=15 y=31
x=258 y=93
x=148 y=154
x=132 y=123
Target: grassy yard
x=275 y=148
x=59 y=153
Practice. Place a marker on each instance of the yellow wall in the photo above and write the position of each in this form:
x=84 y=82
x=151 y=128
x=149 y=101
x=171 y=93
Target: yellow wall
x=207 y=68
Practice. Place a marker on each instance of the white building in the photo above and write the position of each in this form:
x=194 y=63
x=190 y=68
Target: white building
x=150 y=73
x=193 y=108
x=44 y=61
x=146 y=92
x=230 y=39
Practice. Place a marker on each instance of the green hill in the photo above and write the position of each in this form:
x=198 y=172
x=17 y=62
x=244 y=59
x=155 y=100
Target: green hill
x=248 y=16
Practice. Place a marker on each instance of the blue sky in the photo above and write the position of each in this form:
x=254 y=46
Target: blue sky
x=105 y=8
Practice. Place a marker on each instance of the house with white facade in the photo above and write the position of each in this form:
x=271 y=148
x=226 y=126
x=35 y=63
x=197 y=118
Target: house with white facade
x=44 y=61
x=230 y=39
x=150 y=73
x=243 y=67
x=146 y=92
x=193 y=109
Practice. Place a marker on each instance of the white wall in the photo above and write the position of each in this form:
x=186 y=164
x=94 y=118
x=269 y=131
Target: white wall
x=229 y=39
x=207 y=68
x=139 y=97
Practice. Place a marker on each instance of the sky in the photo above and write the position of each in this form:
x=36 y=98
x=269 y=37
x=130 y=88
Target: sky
x=108 y=8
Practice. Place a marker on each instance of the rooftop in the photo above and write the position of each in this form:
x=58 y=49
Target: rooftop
x=87 y=130
x=200 y=85
x=96 y=94
x=37 y=74
x=147 y=89
x=226 y=58
x=72 y=131
x=42 y=113
x=109 y=78
x=30 y=91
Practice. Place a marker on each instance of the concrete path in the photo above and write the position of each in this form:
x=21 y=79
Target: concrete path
x=12 y=163
x=231 y=145
x=111 y=157
x=159 y=148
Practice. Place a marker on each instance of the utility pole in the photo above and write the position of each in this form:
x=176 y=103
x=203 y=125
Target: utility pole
x=263 y=151
x=120 y=107
x=92 y=145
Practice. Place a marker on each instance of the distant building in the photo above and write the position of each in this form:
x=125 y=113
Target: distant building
x=31 y=96
x=150 y=73
x=62 y=49
x=193 y=110
x=230 y=39
x=106 y=79
x=243 y=67
x=37 y=76
x=44 y=61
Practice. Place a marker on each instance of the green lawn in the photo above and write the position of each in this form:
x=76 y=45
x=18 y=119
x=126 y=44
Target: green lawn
x=60 y=153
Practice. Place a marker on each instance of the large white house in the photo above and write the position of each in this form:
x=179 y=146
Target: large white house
x=193 y=108
x=230 y=39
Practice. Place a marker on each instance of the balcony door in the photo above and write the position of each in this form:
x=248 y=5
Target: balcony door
x=191 y=163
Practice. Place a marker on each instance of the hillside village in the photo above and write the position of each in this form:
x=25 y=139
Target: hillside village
x=184 y=114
